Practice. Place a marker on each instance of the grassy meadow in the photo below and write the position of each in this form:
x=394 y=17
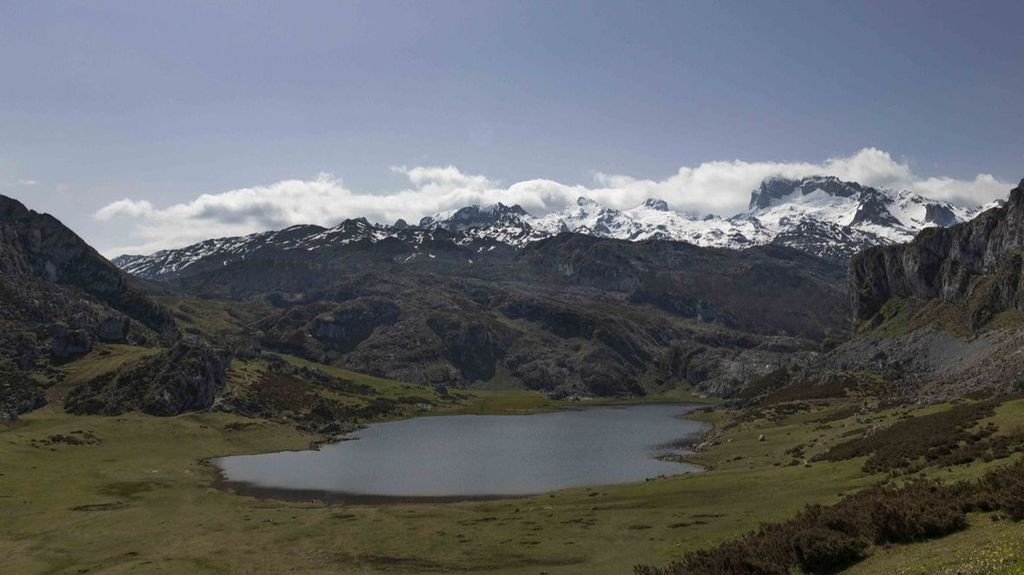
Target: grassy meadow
x=133 y=494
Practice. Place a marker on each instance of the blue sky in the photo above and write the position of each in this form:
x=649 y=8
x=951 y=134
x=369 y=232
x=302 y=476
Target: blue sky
x=159 y=103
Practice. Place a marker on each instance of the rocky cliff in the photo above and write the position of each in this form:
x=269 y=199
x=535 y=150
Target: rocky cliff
x=37 y=247
x=976 y=264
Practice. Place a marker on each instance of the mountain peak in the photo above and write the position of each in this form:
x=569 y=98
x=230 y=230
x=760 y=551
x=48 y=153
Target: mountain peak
x=586 y=203
x=774 y=189
x=504 y=209
x=475 y=216
x=656 y=204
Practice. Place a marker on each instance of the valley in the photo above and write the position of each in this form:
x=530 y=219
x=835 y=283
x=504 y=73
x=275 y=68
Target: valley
x=121 y=392
x=380 y=287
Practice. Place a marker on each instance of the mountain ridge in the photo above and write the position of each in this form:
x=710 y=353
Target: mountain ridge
x=821 y=215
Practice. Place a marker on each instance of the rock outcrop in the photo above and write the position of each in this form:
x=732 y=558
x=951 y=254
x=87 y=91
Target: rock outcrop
x=18 y=393
x=68 y=344
x=188 y=377
x=351 y=322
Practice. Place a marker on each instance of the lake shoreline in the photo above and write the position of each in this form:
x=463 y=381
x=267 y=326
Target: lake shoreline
x=685 y=447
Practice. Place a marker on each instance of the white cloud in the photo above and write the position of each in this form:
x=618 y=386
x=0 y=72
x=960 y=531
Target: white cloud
x=20 y=183
x=721 y=187
x=126 y=208
x=983 y=188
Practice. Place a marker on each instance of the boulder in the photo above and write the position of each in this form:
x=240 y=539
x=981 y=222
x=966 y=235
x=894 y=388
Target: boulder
x=113 y=329
x=68 y=344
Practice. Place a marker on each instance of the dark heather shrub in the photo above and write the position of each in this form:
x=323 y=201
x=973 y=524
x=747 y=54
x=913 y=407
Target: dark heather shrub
x=826 y=539
x=828 y=551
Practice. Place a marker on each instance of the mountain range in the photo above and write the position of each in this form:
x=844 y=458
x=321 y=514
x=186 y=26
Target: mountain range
x=821 y=216
x=583 y=302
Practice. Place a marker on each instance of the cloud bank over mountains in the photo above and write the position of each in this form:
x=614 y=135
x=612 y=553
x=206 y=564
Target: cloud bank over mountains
x=721 y=188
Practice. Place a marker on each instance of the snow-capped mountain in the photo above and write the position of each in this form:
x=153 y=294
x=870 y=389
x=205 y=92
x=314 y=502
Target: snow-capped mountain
x=823 y=216
x=846 y=215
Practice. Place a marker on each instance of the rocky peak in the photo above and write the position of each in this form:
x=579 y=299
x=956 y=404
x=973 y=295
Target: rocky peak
x=656 y=204
x=774 y=189
x=515 y=210
x=1017 y=196
x=939 y=215
x=873 y=209
x=474 y=216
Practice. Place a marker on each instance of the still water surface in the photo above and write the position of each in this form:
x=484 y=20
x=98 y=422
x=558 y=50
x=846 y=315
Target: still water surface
x=482 y=455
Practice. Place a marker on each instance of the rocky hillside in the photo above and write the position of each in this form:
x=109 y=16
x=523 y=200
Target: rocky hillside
x=821 y=216
x=37 y=248
x=572 y=314
x=58 y=297
x=187 y=377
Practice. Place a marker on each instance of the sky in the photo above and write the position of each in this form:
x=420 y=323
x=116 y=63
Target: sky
x=147 y=125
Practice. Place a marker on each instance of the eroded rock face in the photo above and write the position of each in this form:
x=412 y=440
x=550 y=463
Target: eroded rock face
x=193 y=375
x=348 y=324
x=113 y=329
x=977 y=263
x=468 y=347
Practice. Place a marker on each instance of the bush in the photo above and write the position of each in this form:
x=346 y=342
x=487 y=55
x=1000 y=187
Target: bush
x=921 y=510
x=942 y=438
x=825 y=539
x=828 y=551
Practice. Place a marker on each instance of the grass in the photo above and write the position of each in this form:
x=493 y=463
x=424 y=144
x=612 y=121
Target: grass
x=142 y=500
x=105 y=358
x=213 y=317
x=387 y=388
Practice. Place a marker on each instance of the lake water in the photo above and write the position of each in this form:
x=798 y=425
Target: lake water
x=481 y=455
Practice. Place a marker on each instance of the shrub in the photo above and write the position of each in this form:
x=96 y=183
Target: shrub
x=825 y=539
x=942 y=438
x=921 y=510
x=828 y=551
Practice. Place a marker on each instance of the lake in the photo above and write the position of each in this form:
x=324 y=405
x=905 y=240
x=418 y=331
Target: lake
x=475 y=456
